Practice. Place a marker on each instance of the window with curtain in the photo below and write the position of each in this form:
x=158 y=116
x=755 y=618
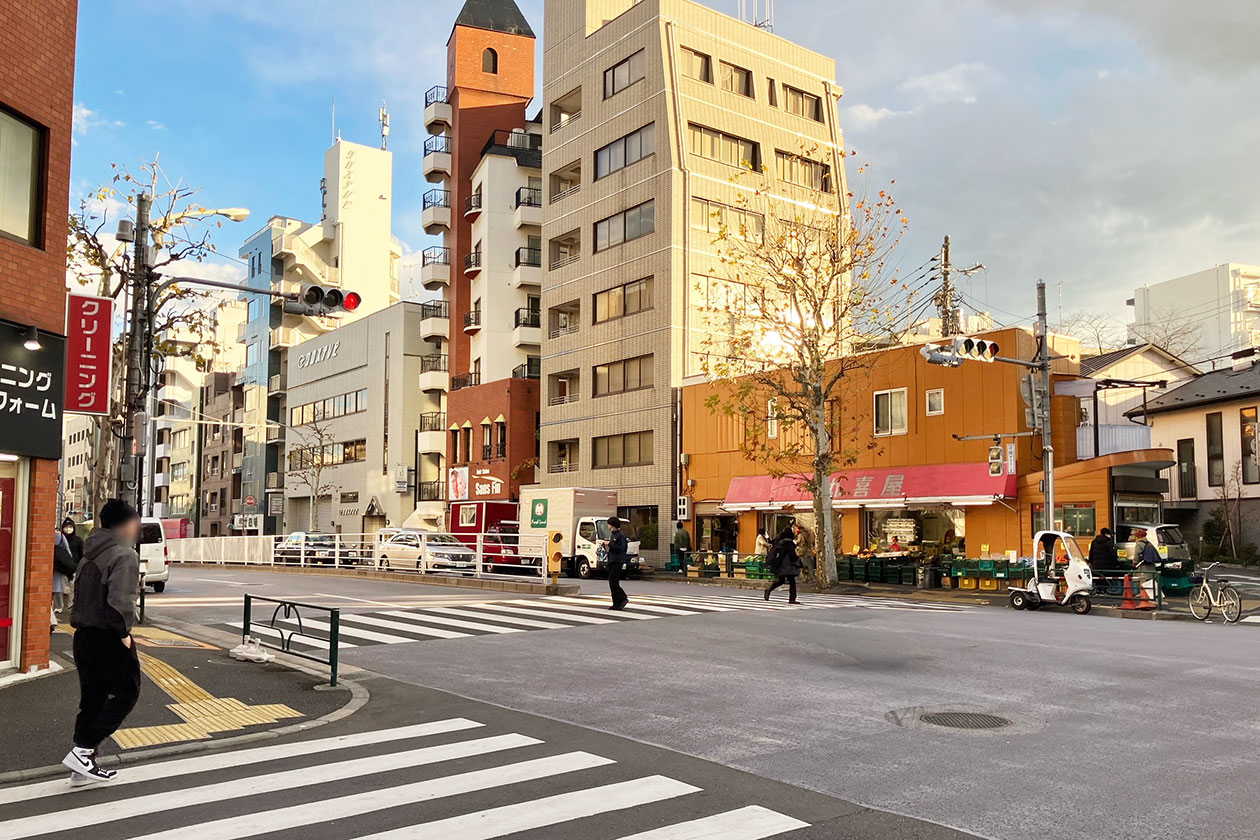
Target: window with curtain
x=21 y=187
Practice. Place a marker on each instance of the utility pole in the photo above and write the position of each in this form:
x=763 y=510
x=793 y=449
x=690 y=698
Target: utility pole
x=1047 y=442
x=131 y=488
x=945 y=297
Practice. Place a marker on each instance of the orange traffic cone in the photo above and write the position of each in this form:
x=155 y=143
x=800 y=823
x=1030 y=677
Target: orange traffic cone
x=1145 y=601
x=1129 y=602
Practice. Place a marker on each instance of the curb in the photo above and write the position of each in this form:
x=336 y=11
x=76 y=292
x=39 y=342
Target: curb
x=399 y=577
x=359 y=697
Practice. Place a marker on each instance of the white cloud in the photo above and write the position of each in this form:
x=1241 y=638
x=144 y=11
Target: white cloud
x=866 y=116
x=960 y=83
x=155 y=125
x=85 y=119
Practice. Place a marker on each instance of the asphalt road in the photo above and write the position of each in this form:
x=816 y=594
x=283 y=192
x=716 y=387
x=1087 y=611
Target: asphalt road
x=1118 y=729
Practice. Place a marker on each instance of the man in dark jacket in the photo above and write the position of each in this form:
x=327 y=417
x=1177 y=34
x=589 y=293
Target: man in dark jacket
x=105 y=591
x=618 y=556
x=784 y=563
x=1102 y=552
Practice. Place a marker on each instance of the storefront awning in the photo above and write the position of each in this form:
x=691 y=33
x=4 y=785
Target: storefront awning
x=957 y=484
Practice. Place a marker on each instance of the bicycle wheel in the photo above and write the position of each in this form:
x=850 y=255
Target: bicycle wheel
x=1200 y=602
x=1231 y=604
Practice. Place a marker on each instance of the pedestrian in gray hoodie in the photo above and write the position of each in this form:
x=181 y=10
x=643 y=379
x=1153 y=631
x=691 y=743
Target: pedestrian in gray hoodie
x=105 y=590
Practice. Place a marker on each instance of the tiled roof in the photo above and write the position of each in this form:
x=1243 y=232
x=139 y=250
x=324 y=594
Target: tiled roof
x=1217 y=386
x=495 y=15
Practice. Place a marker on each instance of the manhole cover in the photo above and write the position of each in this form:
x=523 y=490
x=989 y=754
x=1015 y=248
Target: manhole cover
x=965 y=720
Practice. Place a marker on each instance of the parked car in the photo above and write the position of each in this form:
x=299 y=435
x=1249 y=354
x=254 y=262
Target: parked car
x=1174 y=551
x=154 y=559
x=315 y=548
x=427 y=553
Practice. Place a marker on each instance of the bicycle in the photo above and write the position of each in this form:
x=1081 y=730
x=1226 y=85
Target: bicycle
x=1225 y=597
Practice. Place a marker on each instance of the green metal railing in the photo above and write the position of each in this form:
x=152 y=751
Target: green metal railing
x=290 y=612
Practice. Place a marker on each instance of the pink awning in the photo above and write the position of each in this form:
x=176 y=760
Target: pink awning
x=960 y=484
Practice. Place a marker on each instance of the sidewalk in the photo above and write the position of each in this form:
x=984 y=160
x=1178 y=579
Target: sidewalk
x=193 y=694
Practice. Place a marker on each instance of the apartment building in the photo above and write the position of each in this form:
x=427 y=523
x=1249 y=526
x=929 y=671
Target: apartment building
x=486 y=157
x=1211 y=313
x=350 y=247
x=222 y=400
x=77 y=457
x=365 y=443
x=652 y=108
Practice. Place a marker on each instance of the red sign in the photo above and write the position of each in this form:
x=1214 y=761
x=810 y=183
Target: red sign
x=89 y=354
x=250 y=501
x=928 y=483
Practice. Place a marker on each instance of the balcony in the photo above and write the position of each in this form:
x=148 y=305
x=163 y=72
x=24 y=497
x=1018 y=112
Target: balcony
x=465 y=380
x=277 y=384
x=431 y=435
x=240 y=331
x=532 y=369
x=437 y=166
x=438 y=114
x=560 y=195
x=310 y=266
x=275 y=481
x=566 y=258
x=431 y=491
x=472 y=321
x=562 y=399
x=435 y=320
x=284 y=337
x=433 y=372
x=436 y=214
x=472 y=205
x=528 y=269
x=527 y=331
x=435 y=267
x=528 y=207
x=472 y=264
x=562 y=467
x=275 y=434
x=238 y=460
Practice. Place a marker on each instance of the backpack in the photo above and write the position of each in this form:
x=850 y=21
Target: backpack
x=63 y=560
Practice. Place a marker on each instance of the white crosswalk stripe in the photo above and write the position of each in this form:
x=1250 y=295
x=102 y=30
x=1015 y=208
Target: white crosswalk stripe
x=555 y=612
x=519 y=784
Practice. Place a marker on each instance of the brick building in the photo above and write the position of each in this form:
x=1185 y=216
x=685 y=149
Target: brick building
x=37 y=40
x=487 y=156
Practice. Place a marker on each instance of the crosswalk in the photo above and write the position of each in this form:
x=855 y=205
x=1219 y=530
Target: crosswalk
x=443 y=779
x=493 y=618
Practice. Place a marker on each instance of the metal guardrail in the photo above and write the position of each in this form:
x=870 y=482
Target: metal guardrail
x=291 y=612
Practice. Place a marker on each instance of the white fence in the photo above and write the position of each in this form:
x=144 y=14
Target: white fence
x=422 y=552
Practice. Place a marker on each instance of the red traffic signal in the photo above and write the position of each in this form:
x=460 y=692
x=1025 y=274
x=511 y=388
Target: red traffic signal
x=351 y=301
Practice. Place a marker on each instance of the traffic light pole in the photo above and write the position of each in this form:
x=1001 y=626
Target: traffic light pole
x=130 y=485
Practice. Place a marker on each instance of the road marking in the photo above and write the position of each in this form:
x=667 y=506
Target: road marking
x=314 y=774
x=539 y=813
x=296 y=816
x=523 y=622
x=411 y=627
x=751 y=823
x=544 y=612
x=359 y=600
x=296 y=638
x=240 y=758
x=228 y=582
x=453 y=622
x=372 y=635
x=585 y=608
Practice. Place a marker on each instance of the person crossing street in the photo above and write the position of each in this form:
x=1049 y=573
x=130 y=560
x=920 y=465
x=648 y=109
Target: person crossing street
x=784 y=564
x=105 y=591
x=618 y=555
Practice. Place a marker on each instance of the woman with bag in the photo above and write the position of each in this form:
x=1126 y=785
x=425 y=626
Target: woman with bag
x=65 y=564
x=784 y=564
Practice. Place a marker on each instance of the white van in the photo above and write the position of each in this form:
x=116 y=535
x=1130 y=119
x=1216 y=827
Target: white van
x=154 y=564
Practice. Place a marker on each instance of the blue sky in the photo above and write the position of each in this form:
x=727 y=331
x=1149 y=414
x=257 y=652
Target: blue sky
x=1098 y=143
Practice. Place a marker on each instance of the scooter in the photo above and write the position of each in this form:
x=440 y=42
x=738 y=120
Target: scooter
x=1076 y=574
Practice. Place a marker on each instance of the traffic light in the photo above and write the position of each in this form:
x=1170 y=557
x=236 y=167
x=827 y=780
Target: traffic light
x=555 y=555
x=938 y=355
x=975 y=348
x=318 y=300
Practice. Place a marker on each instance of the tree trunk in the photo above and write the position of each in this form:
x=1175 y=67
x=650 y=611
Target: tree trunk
x=824 y=509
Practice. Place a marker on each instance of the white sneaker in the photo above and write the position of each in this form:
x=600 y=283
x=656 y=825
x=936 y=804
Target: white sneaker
x=85 y=770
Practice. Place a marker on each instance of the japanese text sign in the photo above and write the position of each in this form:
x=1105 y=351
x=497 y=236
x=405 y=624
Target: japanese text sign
x=89 y=354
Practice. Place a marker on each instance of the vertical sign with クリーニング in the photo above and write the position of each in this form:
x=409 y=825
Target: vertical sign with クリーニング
x=89 y=353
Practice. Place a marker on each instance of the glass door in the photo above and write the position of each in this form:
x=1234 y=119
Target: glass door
x=8 y=597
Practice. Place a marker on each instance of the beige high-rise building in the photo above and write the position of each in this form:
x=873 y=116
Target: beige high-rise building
x=652 y=107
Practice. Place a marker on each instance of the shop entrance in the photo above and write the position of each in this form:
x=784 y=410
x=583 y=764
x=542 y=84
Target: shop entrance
x=926 y=530
x=8 y=527
x=717 y=533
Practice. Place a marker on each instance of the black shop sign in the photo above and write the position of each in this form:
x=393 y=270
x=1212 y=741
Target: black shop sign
x=32 y=393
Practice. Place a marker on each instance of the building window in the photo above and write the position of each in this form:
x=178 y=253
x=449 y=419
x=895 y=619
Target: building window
x=620 y=76
x=21 y=179
x=712 y=217
x=802 y=104
x=697 y=65
x=890 y=412
x=629 y=149
x=251 y=354
x=350 y=498
x=644 y=522
x=1215 y=450
x=1187 y=475
x=772 y=93
x=626 y=226
x=490 y=61
x=1250 y=466
x=620 y=301
x=1077 y=518
x=724 y=148
x=772 y=418
x=351 y=402
x=347 y=452
x=801 y=171
x=737 y=80
x=629 y=450
x=622 y=376
x=935 y=400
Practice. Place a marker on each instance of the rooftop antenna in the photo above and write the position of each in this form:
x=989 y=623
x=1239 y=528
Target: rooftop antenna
x=759 y=13
x=334 y=119
x=384 y=117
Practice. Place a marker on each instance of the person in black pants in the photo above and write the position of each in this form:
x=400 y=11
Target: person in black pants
x=618 y=556
x=105 y=591
x=784 y=564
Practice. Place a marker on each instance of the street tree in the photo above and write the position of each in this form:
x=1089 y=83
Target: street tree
x=1170 y=330
x=309 y=460
x=807 y=298
x=98 y=264
x=1098 y=332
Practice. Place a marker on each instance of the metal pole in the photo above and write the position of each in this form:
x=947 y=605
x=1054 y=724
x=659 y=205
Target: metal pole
x=1096 y=436
x=334 y=644
x=129 y=485
x=1047 y=439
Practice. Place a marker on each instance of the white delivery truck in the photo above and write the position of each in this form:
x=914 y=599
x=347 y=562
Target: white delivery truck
x=581 y=516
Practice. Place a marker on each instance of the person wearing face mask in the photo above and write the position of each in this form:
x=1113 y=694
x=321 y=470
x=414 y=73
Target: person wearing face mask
x=72 y=537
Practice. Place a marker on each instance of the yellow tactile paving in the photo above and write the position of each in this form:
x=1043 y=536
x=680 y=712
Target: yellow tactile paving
x=171 y=681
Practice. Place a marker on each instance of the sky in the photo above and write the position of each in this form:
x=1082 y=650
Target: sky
x=1097 y=144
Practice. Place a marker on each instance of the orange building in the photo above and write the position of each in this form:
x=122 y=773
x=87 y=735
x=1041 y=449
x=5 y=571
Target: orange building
x=912 y=477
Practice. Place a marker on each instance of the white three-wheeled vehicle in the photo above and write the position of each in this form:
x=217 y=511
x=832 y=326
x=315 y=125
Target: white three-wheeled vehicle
x=1061 y=575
